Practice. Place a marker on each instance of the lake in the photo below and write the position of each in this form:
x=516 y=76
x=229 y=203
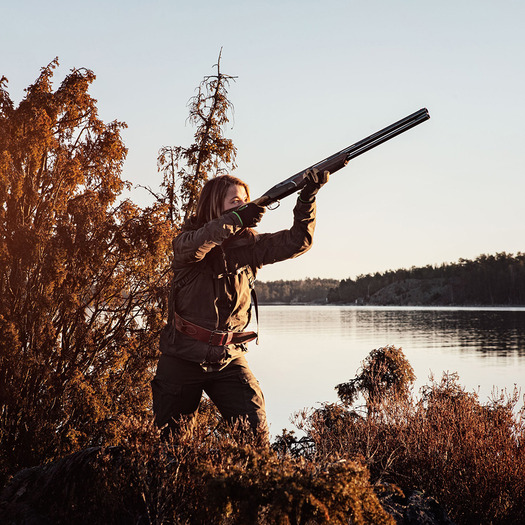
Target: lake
x=304 y=351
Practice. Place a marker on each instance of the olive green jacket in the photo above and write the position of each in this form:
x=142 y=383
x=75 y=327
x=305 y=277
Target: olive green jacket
x=214 y=269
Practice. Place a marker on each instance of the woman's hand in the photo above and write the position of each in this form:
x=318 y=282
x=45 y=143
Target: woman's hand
x=314 y=181
x=250 y=214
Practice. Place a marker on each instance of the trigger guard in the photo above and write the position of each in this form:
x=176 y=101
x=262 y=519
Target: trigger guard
x=274 y=205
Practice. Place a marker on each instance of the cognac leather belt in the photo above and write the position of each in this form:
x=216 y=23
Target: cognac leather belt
x=211 y=337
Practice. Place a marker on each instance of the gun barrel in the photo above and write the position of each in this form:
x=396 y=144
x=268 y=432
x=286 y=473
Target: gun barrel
x=338 y=160
x=387 y=133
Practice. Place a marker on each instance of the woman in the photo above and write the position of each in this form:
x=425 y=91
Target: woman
x=216 y=258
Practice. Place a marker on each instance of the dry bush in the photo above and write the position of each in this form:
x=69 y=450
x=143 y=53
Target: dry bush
x=468 y=455
x=216 y=475
x=384 y=373
x=82 y=276
x=220 y=475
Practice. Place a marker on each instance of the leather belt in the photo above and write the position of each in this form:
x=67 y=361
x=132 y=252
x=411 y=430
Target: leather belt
x=211 y=337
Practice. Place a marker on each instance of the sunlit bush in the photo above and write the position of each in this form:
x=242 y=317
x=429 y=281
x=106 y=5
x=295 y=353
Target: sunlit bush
x=468 y=455
x=211 y=477
x=353 y=464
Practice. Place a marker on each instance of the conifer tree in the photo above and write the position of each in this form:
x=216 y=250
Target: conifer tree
x=186 y=169
x=81 y=274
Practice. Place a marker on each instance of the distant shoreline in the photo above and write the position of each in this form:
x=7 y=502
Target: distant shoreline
x=405 y=306
x=488 y=281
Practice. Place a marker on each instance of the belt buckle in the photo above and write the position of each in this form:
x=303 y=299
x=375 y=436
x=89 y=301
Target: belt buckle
x=222 y=340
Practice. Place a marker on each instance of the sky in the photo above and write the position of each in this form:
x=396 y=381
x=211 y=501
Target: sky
x=312 y=78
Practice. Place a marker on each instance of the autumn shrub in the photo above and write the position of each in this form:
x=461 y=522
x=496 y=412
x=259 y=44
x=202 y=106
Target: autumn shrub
x=220 y=475
x=384 y=373
x=216 y=475
x=468 y=455
x=82 y=275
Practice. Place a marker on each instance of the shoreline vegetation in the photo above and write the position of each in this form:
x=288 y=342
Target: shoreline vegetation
x=380 y=455
x=488 y=280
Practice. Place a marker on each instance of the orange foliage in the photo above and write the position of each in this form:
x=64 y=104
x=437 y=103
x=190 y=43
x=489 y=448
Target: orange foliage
x=467 y=454
x=82 y=275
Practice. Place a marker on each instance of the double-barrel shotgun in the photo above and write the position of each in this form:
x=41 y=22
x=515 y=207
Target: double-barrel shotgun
x=338 y=160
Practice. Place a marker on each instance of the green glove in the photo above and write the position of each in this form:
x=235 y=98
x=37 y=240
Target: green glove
x=249 y=214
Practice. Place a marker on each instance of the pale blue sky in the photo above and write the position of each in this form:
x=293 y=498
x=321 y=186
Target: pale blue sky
x=314 y=77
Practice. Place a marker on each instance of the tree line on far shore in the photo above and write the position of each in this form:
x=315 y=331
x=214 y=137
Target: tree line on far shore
x=487 y=280
x=295 y=292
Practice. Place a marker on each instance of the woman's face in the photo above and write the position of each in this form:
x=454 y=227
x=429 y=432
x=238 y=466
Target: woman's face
x=235 y=196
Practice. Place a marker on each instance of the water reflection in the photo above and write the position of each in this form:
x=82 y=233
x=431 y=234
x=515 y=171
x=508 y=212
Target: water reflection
x=486 y=331
x=305 y=351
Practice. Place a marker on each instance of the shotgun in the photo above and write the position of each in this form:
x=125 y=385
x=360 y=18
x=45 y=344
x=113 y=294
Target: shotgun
x=339 y=160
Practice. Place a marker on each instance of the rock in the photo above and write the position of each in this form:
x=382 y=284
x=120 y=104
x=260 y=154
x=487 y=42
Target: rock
x=415 y=509
x=414 y=292
x=64 y=486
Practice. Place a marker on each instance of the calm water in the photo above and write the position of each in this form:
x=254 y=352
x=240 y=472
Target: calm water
x=304 y=351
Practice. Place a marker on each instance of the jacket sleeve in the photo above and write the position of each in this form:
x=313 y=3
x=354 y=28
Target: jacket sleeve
x=287 y=244
x=192 y=246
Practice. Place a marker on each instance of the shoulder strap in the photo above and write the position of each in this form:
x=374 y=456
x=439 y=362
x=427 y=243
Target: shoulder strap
x=251 y=279
x=256 y=306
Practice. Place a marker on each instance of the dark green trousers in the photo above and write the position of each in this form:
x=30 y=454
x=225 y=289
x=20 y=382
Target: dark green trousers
x=178 y=386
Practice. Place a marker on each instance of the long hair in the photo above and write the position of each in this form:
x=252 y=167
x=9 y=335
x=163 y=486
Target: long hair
x=211 y=199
